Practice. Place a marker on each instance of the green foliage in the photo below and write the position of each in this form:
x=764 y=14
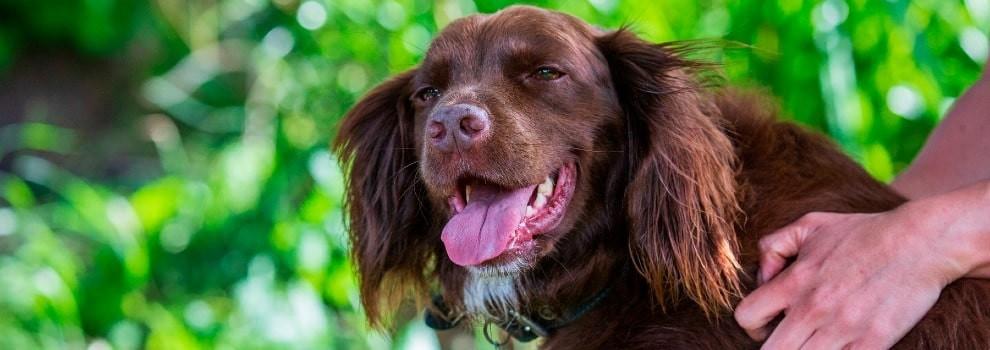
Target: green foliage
x=237 y=240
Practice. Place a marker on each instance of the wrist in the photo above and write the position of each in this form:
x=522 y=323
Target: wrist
x=951 y=230
x=937 y=252
x=961 y=228
x=981 y=236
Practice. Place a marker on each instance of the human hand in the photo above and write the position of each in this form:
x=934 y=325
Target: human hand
x=859 y=280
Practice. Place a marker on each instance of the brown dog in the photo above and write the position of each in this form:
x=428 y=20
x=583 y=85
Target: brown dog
x=556 y=180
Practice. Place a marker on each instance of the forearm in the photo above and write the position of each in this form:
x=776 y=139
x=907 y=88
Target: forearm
x=959 y=226
x=956 y=153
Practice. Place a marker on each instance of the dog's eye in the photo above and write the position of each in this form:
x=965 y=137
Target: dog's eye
x=427 y=93
x=547 y=73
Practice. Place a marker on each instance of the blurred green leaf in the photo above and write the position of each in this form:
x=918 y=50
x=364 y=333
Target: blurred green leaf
x=204 y=209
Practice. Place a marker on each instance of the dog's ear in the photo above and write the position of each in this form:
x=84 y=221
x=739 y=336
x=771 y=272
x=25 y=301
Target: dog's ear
x=680 y=199
x=388 y=221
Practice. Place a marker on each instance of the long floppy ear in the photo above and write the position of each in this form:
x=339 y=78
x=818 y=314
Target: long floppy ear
x=388 y=221
x=680 y=200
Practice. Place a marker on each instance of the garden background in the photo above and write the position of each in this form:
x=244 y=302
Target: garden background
x=165 y=181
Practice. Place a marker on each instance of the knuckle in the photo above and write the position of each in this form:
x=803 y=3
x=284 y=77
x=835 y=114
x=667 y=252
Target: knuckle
x=819 y=305
x=766 y=243
x=816 y=311
x=744 y=315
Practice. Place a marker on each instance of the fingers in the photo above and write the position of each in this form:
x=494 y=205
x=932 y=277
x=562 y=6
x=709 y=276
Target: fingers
x=760 y=307
x=765 y=303
x=791 y=333
x=781 y=245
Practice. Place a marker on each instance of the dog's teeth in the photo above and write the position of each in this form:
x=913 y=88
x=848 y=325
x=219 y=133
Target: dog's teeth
x=467 y=194
x=529 y=210
x=546 y=188
x=540 y=200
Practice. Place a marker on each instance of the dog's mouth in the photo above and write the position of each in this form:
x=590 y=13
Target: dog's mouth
x=490 y=222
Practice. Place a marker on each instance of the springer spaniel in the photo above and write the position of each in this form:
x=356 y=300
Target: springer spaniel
x=559 y=181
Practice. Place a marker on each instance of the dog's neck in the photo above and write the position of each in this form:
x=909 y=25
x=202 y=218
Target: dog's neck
x=496 y=301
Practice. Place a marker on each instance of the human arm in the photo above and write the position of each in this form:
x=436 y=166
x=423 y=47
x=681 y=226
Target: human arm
x=957 y=152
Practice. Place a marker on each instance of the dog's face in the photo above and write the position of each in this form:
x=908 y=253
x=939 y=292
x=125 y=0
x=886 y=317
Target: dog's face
x=507 y=109
x=534 y=148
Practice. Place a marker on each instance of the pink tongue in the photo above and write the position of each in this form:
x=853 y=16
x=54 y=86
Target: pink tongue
x=484 y=228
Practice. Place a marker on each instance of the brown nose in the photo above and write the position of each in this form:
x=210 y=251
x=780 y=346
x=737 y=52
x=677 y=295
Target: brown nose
x=460 y=126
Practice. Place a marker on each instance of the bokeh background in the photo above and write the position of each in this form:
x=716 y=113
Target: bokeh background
x=165 y=180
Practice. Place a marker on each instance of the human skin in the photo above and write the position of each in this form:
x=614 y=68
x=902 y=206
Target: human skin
x=862 y=281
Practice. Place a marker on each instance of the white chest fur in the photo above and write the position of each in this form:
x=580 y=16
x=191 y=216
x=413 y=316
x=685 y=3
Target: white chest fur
x=490 y=296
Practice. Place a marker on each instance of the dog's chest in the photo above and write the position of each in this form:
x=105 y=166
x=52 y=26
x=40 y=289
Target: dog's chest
x=490 y=296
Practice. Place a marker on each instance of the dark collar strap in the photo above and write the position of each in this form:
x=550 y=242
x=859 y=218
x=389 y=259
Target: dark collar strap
x=523 y=328
x=526 y=329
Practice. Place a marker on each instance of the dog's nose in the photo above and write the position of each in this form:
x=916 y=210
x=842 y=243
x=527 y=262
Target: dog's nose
x=459 y=126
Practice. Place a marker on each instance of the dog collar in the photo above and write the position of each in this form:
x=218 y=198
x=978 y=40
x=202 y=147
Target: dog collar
x=521 y=327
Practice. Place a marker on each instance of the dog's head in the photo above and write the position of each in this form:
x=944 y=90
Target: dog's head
x=521 y=131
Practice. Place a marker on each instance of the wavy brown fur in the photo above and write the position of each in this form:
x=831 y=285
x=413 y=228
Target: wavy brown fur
x=676 y=180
